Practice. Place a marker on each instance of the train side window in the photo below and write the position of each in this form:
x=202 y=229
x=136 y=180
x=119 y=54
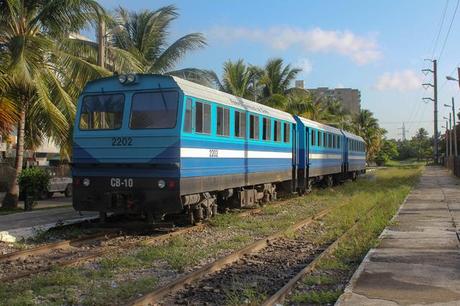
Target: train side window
x=240 y=124
x=202 y=118
x=338 y=142
x=254 y=127
x=287 y=132
x=324 y=140
x=320 y=139
x=188 y=116
x=313 y=137
x=223 y=121
x=277 y=131
x=266 y=129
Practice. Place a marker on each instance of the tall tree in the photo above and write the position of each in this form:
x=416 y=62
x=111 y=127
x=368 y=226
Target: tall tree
x=145 y=35
x=275 y=80
x=367 y=126
x=421 y=143
x=39 y=74
x=238 y=79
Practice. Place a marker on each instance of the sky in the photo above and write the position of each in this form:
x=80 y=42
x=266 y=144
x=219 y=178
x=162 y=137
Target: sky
x=377 y=47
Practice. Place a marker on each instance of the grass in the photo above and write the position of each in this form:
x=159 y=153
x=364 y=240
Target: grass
x=372 y=214
x=317 y=297
x=100 y=284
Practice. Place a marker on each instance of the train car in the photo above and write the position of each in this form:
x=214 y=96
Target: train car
x=354 y=155
x=162 y=145
x=321 y=154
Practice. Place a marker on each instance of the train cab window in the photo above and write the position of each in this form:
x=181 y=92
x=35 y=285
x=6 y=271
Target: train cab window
x=277 y=131
x=240 y=124
x=154 y=110
x=102 y=112
x=313 y=137
x=287 y=132
x=223 y=121
x=188 y=116
x=254 y=127
x=202 y=118
x=320 y=139
x=266 y=129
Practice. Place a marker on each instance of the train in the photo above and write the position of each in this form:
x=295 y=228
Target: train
x=159 y=145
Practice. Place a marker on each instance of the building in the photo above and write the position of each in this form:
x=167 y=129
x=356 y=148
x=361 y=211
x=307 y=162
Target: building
x=350 y=98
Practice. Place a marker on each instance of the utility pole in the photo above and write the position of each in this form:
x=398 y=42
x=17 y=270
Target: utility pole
x=403 y=128
x=447 y=142
x=434 y=71
x=450 y=135
x=455 y=127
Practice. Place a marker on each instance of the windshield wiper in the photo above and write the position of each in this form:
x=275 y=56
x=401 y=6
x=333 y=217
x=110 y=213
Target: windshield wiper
x=163 y=96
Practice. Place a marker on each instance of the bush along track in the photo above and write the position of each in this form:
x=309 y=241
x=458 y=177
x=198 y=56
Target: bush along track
x=119 y=278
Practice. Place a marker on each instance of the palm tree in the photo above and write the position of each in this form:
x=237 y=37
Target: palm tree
x=39 y=74
x=276 y=78
x=239 y=79
x=367 y=126
x=275 y=81
x=144 y=35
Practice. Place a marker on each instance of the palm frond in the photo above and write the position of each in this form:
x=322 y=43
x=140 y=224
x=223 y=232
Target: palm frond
x=176 y=51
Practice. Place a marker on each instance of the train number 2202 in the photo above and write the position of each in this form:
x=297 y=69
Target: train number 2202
x=122 y=141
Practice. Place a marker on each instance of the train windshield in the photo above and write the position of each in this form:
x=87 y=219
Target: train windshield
x=154 y=110
x=102 y=112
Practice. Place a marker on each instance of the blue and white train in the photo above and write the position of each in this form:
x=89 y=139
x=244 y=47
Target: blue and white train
x=158 y=145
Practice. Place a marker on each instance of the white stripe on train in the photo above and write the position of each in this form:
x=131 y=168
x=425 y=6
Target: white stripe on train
x=224 y=153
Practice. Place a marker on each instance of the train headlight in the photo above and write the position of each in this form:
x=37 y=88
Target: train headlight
x=130 y=78
x=161 y=184
x=86 y=182
x=122 y=78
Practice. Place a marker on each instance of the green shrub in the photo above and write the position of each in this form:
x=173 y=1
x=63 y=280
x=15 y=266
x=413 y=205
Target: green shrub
x=33 y=181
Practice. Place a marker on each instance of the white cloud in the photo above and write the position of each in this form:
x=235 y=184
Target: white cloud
x=305 y=65
x=361 y=50
x=405 y=80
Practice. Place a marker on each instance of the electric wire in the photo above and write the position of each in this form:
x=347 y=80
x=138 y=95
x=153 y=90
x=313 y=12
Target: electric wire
x=441 y=25
x=448 y=31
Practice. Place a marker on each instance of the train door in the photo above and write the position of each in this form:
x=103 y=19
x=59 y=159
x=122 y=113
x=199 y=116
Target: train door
x=295 y=160
x=307 y=157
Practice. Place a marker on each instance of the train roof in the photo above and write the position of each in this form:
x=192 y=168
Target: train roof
x=214 y=95
x=321 y=126
x=352 y=136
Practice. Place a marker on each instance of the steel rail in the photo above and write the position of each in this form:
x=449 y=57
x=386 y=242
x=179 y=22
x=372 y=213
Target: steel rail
x=281 y=294
x=217 y=265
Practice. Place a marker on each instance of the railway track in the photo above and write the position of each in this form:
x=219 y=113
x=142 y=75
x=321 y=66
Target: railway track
x=44 y=258
x=25 y=263
x=267 y=263
x=217 y=266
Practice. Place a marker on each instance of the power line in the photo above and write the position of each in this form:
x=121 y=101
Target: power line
x=448 y=31
x=440 y=28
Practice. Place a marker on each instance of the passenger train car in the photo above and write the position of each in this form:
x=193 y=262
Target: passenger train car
x=158 y=145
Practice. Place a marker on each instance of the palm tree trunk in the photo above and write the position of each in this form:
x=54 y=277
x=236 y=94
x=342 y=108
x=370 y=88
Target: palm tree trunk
x=11 y=198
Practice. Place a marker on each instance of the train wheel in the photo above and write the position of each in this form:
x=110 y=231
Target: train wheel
x=329 y=181
x=309 y=186
x=354 y=176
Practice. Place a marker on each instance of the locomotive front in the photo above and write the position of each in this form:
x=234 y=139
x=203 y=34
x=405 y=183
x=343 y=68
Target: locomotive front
x=126 y=146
